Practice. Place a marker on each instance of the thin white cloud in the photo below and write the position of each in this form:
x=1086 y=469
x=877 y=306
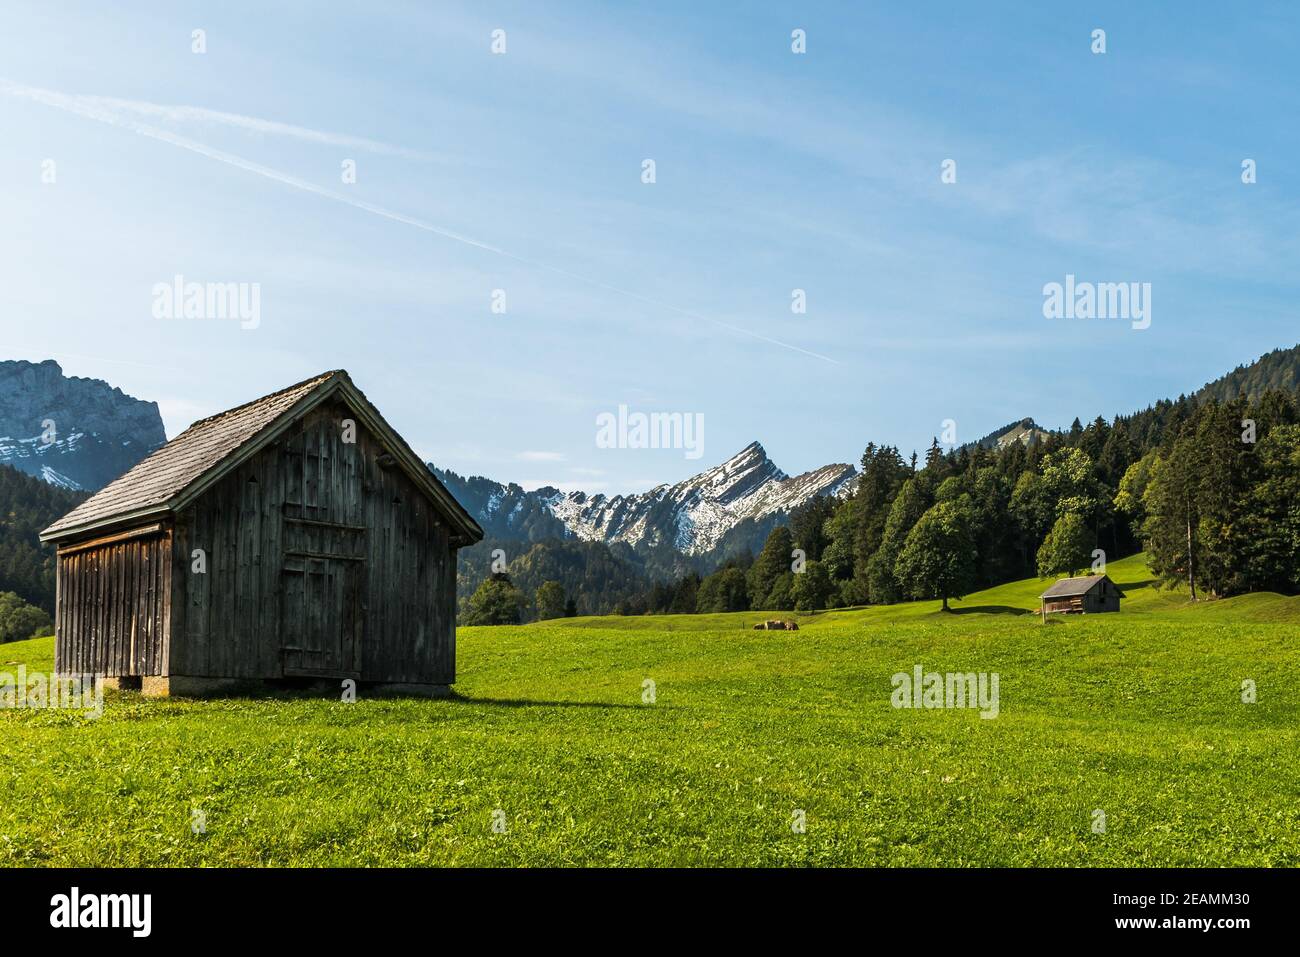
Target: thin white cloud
x=83 y=106
x=532 y=485
x=98 y=108
x=540 y=456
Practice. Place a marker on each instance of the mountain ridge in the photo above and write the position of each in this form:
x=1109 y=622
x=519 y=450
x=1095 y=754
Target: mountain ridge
x=692 y=516
x=99 y=432
x=73 y=432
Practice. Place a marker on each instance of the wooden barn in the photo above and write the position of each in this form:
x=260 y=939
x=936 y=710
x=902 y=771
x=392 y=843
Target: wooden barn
x=1079 y=596
x=297 y=536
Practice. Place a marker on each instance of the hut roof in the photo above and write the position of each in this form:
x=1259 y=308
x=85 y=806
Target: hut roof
x=1075 y=587
x=209 y=449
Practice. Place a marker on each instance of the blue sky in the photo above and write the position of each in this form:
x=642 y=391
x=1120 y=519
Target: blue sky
x=774 y=172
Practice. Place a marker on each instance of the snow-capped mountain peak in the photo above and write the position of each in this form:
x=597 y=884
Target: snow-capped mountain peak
x=741 y=475
x=692 y=515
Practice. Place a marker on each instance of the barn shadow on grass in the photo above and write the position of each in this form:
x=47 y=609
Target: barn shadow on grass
x=528 y=703
x=315 y=690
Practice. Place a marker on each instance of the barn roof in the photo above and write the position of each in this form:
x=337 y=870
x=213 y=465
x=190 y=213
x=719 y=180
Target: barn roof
x=1074 y=587
x=209 y=449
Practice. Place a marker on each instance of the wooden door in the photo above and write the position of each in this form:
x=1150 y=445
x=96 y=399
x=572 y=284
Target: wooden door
x=321 y=616
x=323 y=570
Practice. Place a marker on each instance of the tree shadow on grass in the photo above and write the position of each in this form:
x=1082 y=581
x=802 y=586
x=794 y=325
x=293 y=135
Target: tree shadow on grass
x=992 y=610
x=1127 y=587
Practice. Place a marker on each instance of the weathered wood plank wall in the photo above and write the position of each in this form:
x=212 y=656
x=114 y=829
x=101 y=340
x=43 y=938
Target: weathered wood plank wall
x=111 y=614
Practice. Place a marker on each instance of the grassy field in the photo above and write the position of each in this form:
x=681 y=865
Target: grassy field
x=1139 y=715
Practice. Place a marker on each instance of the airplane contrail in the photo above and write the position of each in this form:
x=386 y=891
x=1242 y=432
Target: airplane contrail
x=102 y=110
x=198 y=114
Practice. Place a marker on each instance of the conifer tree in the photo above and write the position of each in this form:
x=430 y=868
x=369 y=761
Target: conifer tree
x=772 y=562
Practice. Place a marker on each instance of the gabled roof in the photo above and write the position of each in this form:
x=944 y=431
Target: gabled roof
x=209 y=449
x=1074 y=587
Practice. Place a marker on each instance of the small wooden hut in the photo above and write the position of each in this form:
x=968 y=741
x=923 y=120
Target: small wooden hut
x=1089 y=594
x=297 y=536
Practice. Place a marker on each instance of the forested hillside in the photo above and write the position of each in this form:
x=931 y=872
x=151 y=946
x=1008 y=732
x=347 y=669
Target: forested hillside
x=592 y=577
x=1279 y=369
x=27 y=505
x=1210 y=489
x=503 y=511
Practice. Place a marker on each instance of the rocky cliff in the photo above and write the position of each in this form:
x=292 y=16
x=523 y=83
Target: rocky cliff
x=72 y=432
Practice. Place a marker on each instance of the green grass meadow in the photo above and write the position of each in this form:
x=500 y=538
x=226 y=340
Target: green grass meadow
x=1138 y=715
